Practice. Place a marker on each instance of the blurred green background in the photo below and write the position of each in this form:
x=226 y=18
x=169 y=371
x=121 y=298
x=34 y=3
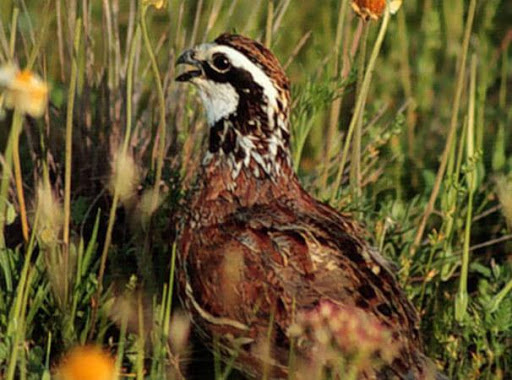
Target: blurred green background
x=453 y=254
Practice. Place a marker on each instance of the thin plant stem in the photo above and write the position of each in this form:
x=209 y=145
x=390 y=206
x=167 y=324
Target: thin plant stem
x=499 y=155
x=348 y=55
x=268 y=28
x=461 y=300
x=60 y=39
x=132 y=22
x=139 y=361
x=405 y=76
x=129 y=89
x=110 y=43
x=4 y=45
x=165 y=318
x=103 y=261
x=18 y=178
x=30 y=27
x=161 y=102
x=361 y=100
x=48 y=350
x=197 y=18
x=451 y=133
x=455 y=160
x=16 y=320
x=6 y=174
x=14 y=23
x=252 y=22
x=280 y=12
x=212 y=18
x=159 y=346
x=488 y=243
x=168 y=301
x=426 y=277
x=42 y=37
x=498 y=298
x=355 y=167
x=69 y=149
x=116 y=42
x=336 y=104
x=297 y=49
x=120 y=347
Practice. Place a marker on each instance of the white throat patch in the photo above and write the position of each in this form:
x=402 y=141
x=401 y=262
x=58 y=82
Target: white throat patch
x=219 y=99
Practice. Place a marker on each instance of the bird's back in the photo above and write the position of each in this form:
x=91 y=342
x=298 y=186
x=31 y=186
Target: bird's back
x=259 y=278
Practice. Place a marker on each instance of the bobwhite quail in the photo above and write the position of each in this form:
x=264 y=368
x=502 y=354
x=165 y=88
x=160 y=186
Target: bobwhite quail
x=258 y=255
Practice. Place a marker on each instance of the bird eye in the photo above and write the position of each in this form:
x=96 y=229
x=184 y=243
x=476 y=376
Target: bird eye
x=220 y=62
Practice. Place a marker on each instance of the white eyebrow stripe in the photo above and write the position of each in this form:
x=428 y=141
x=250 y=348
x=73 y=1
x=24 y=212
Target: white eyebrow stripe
x=239 y=60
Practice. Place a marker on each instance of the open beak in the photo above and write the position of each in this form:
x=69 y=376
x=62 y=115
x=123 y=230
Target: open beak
x=188 y=58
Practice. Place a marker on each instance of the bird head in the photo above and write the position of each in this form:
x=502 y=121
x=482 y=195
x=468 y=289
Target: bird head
x=246 y=96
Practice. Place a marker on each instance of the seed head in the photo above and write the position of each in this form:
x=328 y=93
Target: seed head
x=125 y=176
x=51 y=217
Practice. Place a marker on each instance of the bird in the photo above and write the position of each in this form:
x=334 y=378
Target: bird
x=265 y=270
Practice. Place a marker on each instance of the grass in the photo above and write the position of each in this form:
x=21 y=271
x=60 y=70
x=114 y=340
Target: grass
x=403 y=122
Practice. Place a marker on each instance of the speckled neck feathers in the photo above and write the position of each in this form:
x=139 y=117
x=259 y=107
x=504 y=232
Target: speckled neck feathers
x=254 y=138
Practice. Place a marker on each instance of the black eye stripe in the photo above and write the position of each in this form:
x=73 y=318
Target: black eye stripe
x=213 y=74
x=237 y=77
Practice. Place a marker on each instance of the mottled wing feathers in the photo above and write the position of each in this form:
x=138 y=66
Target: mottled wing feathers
x=333 y=263
x=276 y=260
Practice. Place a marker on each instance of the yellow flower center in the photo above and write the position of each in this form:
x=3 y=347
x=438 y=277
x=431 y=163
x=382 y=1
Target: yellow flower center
x=87 y=363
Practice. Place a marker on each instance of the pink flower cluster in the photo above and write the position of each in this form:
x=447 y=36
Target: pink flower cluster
x=343 y=336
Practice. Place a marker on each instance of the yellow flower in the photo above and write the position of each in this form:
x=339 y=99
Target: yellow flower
x=87 y=363
x=23 y=90
x=373 y=9
x=158 y=4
